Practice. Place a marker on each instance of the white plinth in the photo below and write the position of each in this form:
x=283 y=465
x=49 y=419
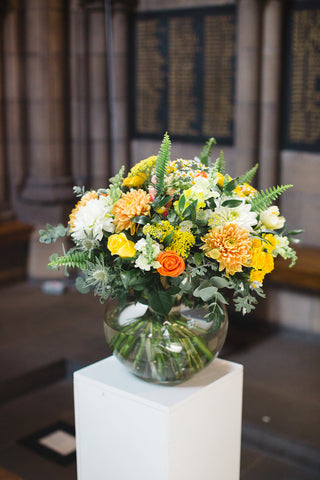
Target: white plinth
x=127 y=429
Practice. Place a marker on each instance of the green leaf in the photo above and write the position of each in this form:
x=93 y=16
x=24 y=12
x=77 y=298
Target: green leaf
x=142 y=219
x=219 y=282
x=80 y=285
x=160 y=301
x=198 y=258
x=232 y=203
x=248 y=176
x=205 y=293
x=161 y=202
x=205 y=153
x=292 y=233
x=162 y=161
x=181 y=203
x=229 y=187
x=167 y=239
x=263 y=199
x=51 y=234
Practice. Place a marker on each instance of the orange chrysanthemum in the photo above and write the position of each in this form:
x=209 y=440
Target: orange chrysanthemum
x=230 y=245
x=130 y=205
x=84 y=200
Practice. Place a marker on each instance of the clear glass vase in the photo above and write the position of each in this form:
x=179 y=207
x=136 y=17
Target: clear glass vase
x=163 y=350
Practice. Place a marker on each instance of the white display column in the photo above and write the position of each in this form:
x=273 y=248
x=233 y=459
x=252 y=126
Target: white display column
x=130 y=429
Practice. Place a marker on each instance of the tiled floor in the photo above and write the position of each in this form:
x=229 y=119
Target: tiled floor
x=43 y=338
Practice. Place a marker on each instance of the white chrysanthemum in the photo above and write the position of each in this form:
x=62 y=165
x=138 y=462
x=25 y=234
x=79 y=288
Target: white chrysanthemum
x=241 y=215
x=92 y=219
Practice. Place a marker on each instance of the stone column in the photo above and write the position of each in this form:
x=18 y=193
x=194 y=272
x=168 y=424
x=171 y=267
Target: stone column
x=270 y=94
x=47 y=190
x=6 y=211
x=119 y=85
x=79 y=93
x=98 y=121
x=247 y=81
x=47 y=109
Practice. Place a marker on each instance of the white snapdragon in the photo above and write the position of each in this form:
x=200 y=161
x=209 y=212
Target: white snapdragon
x=202 y=189
x=270 y=218
x=149 y=252
x=92 y=219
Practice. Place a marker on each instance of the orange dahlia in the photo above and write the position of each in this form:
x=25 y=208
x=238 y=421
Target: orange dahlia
x=84 y=200
x=230 y=245
x=130 y=205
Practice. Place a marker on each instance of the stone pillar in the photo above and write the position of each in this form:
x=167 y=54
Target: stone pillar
x=247 y=81
x=47 y=110
x=47 y=190
x=6 y=212
x=79 y=93
x=270 y=94
x=119 y=85
x=98 y=121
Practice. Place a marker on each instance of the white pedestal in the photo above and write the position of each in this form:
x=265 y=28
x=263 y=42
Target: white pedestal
x=128 y=429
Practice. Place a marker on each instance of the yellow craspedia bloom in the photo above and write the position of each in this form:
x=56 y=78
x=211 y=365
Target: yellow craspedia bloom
x=119 y=244
x=135 y=180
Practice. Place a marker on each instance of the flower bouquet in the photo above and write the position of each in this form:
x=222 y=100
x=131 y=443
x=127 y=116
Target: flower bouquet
x=166 y=247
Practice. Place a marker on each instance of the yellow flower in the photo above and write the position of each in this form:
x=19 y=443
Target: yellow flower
x=230 y=245
x=256 y=276
x=261 y=262
x=271 y=242
x=135 y=180
x=118 y=244
x=130 y=205
x=181 y=242
x=139 y=172
x=220 y=179
x=245 y=190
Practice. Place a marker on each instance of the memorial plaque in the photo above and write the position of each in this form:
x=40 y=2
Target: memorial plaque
x=182 y=74
x=301 y=123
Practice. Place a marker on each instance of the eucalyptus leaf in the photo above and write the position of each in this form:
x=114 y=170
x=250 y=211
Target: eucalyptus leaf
x=205 y=293
x=81 y=286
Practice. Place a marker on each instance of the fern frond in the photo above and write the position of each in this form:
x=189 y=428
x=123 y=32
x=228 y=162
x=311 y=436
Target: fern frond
x=248 y=176
x=205 y=154
x=263 y=199
x=220 y=165
x=73 y=260
x=162 y=163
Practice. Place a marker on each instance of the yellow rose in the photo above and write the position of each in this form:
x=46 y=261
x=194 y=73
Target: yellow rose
x=135 y=180
x=271 y=219
x=220 y=179
x=118 y=244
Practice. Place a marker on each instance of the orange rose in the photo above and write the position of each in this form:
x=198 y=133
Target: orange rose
x=171 y=264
